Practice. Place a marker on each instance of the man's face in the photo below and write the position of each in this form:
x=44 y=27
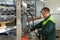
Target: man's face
x=44 y=12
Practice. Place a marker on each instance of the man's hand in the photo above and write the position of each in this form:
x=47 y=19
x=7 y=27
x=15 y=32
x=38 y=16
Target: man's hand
x=36 y=30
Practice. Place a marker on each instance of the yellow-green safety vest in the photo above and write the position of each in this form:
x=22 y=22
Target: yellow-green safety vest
x=50 y=18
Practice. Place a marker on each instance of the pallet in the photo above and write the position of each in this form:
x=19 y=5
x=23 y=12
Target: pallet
x=58 y=34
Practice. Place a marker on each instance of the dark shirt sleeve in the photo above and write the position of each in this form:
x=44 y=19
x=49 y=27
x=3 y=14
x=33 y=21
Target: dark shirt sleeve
x=48 y=28
x=36 y=26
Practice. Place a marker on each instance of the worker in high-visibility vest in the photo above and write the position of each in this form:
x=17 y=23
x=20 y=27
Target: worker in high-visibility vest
x=47 y=26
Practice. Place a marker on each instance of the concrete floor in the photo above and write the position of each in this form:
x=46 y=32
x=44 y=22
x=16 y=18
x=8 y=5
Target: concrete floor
x=57 y=38
x=7 y=37
x=13 y=38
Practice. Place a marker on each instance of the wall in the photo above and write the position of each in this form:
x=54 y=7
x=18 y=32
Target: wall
x=54 y=5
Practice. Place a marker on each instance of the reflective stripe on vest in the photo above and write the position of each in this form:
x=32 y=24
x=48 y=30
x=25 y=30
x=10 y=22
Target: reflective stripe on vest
x=50 y=18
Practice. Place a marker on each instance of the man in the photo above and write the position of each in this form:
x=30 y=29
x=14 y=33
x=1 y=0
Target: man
x=47 y=26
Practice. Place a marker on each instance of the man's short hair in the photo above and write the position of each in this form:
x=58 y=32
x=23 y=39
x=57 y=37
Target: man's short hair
x=46 y=8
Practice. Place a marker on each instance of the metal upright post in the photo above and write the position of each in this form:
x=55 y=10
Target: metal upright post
x=18 y=14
